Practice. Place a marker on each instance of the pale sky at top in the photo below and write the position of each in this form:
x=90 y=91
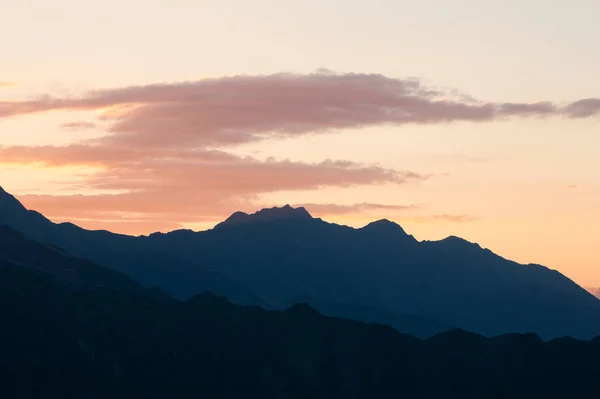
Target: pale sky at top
x=510 y=179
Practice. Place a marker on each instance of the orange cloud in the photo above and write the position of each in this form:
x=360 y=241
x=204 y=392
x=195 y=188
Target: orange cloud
x=101 y=155
x=177 y=186
x=138 y=169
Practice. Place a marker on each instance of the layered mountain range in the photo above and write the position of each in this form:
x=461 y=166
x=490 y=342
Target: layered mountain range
x=278 y=257
x=73 y=329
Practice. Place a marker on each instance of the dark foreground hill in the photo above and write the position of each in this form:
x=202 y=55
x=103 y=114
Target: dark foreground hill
x=281 y=256
x=65 y=340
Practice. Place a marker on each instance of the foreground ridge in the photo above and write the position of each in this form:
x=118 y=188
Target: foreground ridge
x=107 y=343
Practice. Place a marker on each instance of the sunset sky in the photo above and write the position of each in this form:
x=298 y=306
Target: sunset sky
x=479 y=119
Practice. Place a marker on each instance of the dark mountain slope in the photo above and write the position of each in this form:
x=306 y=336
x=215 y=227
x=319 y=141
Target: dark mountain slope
x=149 y=265
x=55 y=264
x=102 y=343
x=594 y=291
x=264 y=215
x=452 y=281
x=161 y=264
x=278 y=256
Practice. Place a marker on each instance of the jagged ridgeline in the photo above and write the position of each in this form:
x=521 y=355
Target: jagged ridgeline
x=281 y=256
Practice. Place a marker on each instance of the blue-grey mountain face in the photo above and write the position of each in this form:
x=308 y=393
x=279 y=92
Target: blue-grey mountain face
x=73 y=329
x=277 y=257
x=56 y=265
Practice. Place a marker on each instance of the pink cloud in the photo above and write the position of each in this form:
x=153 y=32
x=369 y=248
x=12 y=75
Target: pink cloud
x=78 y=125
x=583 y=108
x=243 y=108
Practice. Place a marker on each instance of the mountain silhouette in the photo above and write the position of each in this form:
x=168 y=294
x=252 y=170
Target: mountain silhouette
x=265 y=215
x=65 y=336
x=56 y=265
x=280 y=256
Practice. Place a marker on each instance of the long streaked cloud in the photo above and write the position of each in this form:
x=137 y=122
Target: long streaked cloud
x=171 y=188
x=244 y=108
x=205 y=170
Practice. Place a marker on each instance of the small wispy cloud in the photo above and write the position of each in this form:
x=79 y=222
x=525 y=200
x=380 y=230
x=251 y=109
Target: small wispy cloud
x=78 y=125
x=453 y=218
x=450 y=218
x=339 y=209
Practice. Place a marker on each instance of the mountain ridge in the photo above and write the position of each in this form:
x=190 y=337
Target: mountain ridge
x=375 y=273
x=285 y=212
x=105 y=343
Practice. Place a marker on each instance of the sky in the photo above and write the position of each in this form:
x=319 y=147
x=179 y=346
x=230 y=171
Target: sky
x=467 y=118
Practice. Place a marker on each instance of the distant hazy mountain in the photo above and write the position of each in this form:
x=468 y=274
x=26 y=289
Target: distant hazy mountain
x=65 y=335
x=278 y=257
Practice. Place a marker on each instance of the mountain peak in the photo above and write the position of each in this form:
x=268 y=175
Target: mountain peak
x=463 y=243
x=7 y=200
x=4 y=193
x=385 y=226
x=285 y=212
